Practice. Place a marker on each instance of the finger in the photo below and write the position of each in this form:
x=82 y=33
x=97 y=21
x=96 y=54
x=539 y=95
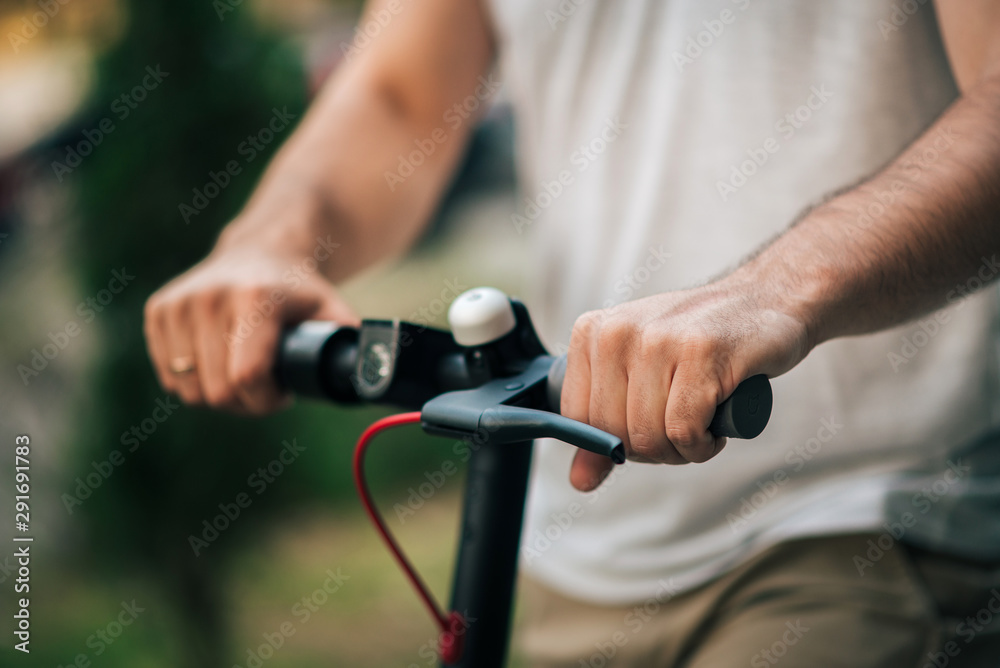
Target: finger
x=251 y=361
x=589 y=470
x=179 y=345
x=154 y=327
x=211 y=327
x=574 y=402
x=609 y=387
x=648 y=389
x=251 y=358
x=691 y=404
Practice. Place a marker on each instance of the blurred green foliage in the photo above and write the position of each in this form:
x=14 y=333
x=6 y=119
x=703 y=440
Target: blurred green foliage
x=224 y=78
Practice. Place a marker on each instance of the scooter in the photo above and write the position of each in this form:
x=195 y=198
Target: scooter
x=490 y=383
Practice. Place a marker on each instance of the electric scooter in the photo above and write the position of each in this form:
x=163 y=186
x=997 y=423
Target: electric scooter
x=490 y=383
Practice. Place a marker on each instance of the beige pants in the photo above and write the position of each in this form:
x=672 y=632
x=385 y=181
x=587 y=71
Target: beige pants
x=800 y=604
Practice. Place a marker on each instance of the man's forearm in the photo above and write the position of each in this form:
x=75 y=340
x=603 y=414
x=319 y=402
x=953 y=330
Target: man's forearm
x=329 y=180
x=895 y=246
x=388 y=101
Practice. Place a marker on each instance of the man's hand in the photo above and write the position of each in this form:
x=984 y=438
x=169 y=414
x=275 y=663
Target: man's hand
x=653 y=371
x=212 y=332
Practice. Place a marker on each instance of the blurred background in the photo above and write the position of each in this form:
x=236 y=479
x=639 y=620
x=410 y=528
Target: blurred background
x=112 y=114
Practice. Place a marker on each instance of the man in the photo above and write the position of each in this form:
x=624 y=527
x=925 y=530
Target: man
x=685 y=136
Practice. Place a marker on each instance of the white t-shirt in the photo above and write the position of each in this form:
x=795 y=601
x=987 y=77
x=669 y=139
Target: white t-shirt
x=661 y=141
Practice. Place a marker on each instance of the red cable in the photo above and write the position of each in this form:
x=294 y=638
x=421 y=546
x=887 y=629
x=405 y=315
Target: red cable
x=452 y=625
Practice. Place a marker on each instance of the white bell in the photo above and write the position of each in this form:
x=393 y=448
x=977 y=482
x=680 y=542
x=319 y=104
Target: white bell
x=480 y=316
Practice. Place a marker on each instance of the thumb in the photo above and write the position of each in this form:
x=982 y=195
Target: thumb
x=589 y=470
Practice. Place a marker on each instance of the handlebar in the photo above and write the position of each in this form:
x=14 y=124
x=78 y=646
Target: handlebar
x=461 y=388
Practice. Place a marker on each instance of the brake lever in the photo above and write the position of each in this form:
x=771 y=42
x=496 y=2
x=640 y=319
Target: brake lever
x=524 y=424
x=491 y=413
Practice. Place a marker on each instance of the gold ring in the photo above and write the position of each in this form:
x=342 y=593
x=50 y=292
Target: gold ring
x=181 y=365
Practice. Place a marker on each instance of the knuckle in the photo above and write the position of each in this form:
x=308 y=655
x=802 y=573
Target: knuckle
x=657 y=337
x=250 y=373
x=256 y=293
x=219 y=395
x=690 y=442
x=583 y=329
x=645 y=444
x=699 y=347
x=615 y=338
x=652 y=346
x=177 y=310
x=208 y=302
x=152 y=308
x=683 y=435
x=155 y=314
x=586 y=321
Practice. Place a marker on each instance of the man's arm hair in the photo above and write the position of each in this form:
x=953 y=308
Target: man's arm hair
x=906 y=240
x=330 y=178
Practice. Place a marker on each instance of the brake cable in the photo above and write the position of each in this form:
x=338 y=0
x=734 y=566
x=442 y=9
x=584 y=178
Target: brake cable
x=452 y=624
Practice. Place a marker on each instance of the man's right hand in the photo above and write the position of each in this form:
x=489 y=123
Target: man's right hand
x=213 y=331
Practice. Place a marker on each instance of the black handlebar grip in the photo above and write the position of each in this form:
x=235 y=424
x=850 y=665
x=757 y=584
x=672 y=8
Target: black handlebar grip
x=744 y=414
x=317 y=359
